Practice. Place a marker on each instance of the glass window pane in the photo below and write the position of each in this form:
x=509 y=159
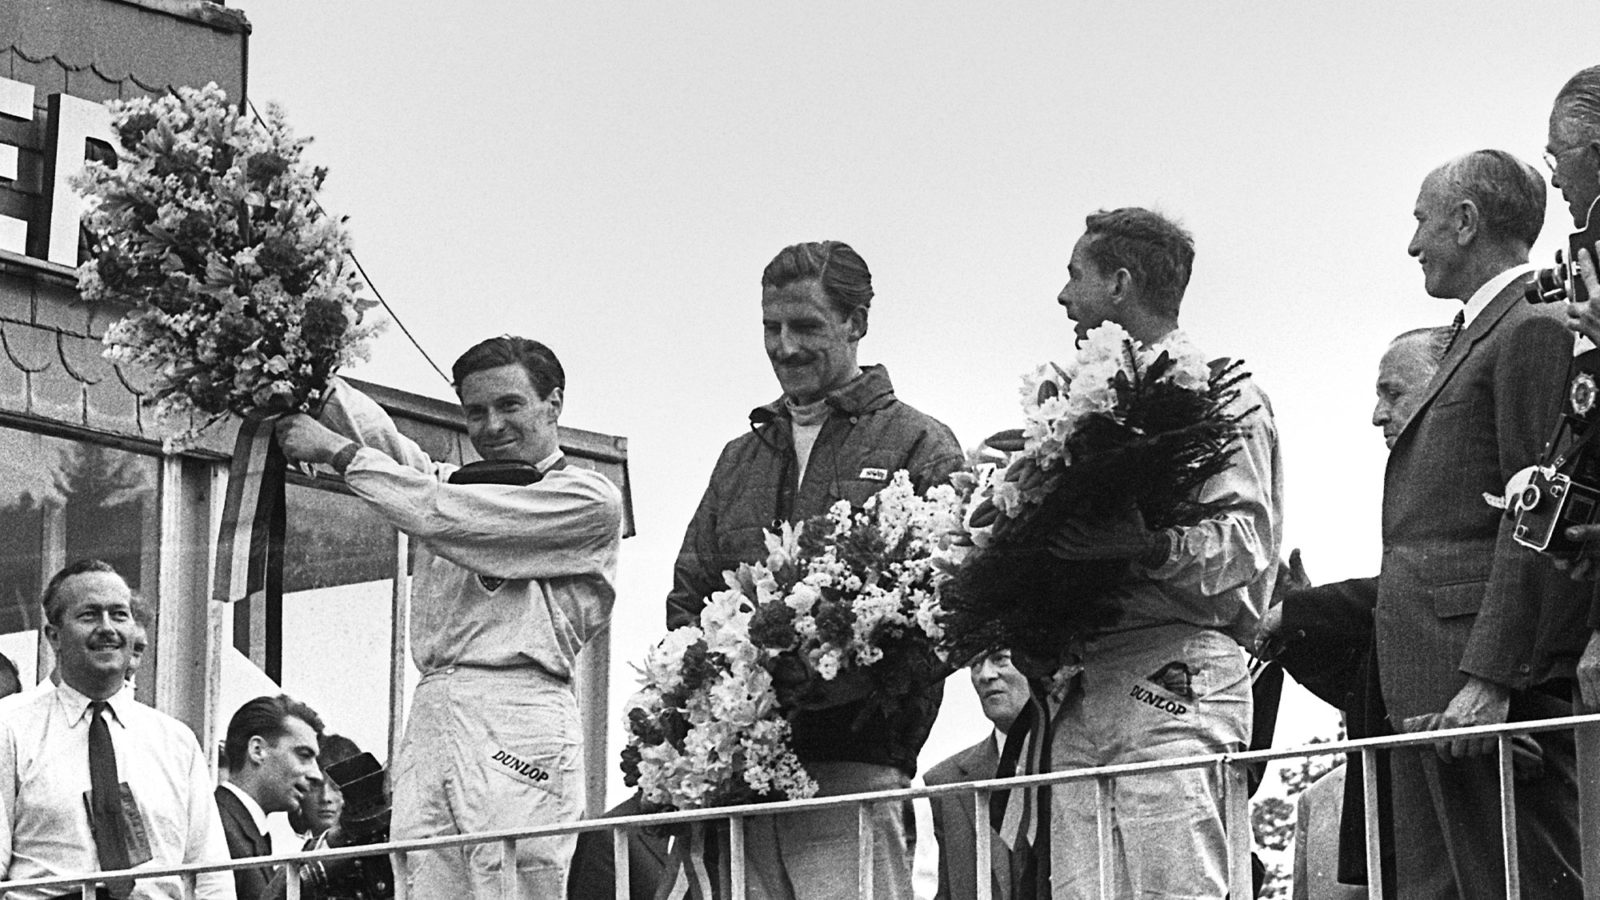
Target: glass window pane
x=63 y=500
x=338 y=564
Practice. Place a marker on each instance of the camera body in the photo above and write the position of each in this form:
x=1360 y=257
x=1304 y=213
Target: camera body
x=1565 y=489
x=1550 y=503
x=365 y=820
x=1556 y=283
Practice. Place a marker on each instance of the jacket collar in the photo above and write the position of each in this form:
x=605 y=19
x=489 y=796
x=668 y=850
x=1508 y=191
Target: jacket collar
x=1475 y=331
x=866 y=392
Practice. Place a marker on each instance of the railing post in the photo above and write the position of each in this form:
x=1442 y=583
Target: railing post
x=1586 y=739
x=619 y=862
x=1236 y=818
x=291 y=881
x=1508 y=814
x=736 y=866
x=1105 y=845
x=508 y=869
x=1369 y=794
x=189 y=886
x=984 y=846
x=397 y=866
x=864 y=849
x=86 y=890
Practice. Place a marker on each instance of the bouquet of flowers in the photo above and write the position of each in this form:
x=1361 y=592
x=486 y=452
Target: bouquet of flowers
x=1123 y=424
x=243 y=296
x=706 y=729
x=846 y=605
x=844 y=608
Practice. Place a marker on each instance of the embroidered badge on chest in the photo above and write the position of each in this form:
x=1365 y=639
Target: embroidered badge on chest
x=490 y=584
x=874 y=474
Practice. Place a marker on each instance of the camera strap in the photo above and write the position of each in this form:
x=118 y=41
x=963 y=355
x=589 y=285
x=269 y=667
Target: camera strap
x=1580 y=425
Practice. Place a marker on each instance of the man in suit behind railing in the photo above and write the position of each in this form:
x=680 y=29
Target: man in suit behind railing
x=1003 y=691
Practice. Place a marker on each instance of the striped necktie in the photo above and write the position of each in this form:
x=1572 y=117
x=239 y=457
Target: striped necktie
x=1456 y=325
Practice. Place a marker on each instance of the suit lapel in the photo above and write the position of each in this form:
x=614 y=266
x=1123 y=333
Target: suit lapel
x=1476 y=331
x=233 y=808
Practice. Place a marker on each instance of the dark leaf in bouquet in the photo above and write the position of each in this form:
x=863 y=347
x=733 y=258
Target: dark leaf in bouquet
x=698 y=665
x=813 y=536
x=1048 y=390
x=835 y=621
x=262 y=168
x=674 y=727
x=850 y=685
x=772 y=626
x=282 y=258
x=631 y=757
x=640 y=725
x=1008 y=441
x=134 y=128
x=984 y=515
x=1022 y=598
x=324 y=321
x=1159 y=368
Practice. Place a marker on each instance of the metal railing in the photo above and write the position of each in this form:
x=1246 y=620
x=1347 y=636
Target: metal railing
x=1231 y=768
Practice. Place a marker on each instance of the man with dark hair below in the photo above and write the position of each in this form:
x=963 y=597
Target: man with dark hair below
x=1170 y=678
x=271 y=752
x=91 y=780
x=1470 y=625
x=515 y=573
x=1003 y=693
x=838 y=432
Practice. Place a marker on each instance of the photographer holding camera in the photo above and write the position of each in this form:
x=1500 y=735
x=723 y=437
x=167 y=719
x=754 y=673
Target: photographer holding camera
x=1572 y=151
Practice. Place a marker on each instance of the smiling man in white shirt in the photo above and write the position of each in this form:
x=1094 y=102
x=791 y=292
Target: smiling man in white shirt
x=91 y=779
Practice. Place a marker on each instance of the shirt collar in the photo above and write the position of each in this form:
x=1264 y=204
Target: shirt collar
x=544 y=465
x=76 y=705
x=257 y=814
x=1491 y=289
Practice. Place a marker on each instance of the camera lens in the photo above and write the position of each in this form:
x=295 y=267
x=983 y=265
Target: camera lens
x=1530 y=497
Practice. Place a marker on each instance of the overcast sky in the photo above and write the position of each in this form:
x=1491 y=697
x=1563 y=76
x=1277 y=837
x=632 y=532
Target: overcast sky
x=611 y=178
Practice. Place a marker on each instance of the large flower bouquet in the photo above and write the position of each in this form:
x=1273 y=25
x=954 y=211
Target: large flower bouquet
x=705 y=730
x=844 y=608
x=1122 y=425
x=847 y=605
x=243 y=296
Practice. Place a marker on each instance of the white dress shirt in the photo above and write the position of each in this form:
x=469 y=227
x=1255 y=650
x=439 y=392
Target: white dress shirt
x=44 y=776
x=1491 y=289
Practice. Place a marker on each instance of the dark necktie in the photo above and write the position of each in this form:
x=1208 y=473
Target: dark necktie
x=1456 y=325
x=105 y=801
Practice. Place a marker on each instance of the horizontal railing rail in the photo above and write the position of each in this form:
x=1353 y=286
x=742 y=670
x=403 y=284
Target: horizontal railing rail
x=1231 y=766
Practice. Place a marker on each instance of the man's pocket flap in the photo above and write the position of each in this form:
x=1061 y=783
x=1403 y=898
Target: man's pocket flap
x=1458 y=599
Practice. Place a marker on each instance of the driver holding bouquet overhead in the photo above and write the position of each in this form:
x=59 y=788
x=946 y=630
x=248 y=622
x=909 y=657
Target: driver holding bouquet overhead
x=838 y=432
x=515 y=571
x=1170 y=678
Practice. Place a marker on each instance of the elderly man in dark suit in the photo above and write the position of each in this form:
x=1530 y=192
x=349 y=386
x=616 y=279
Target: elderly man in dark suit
x=1466 y=618
x=1003 y=691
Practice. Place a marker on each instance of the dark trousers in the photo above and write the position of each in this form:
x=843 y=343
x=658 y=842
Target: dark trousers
x=1447 y=819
